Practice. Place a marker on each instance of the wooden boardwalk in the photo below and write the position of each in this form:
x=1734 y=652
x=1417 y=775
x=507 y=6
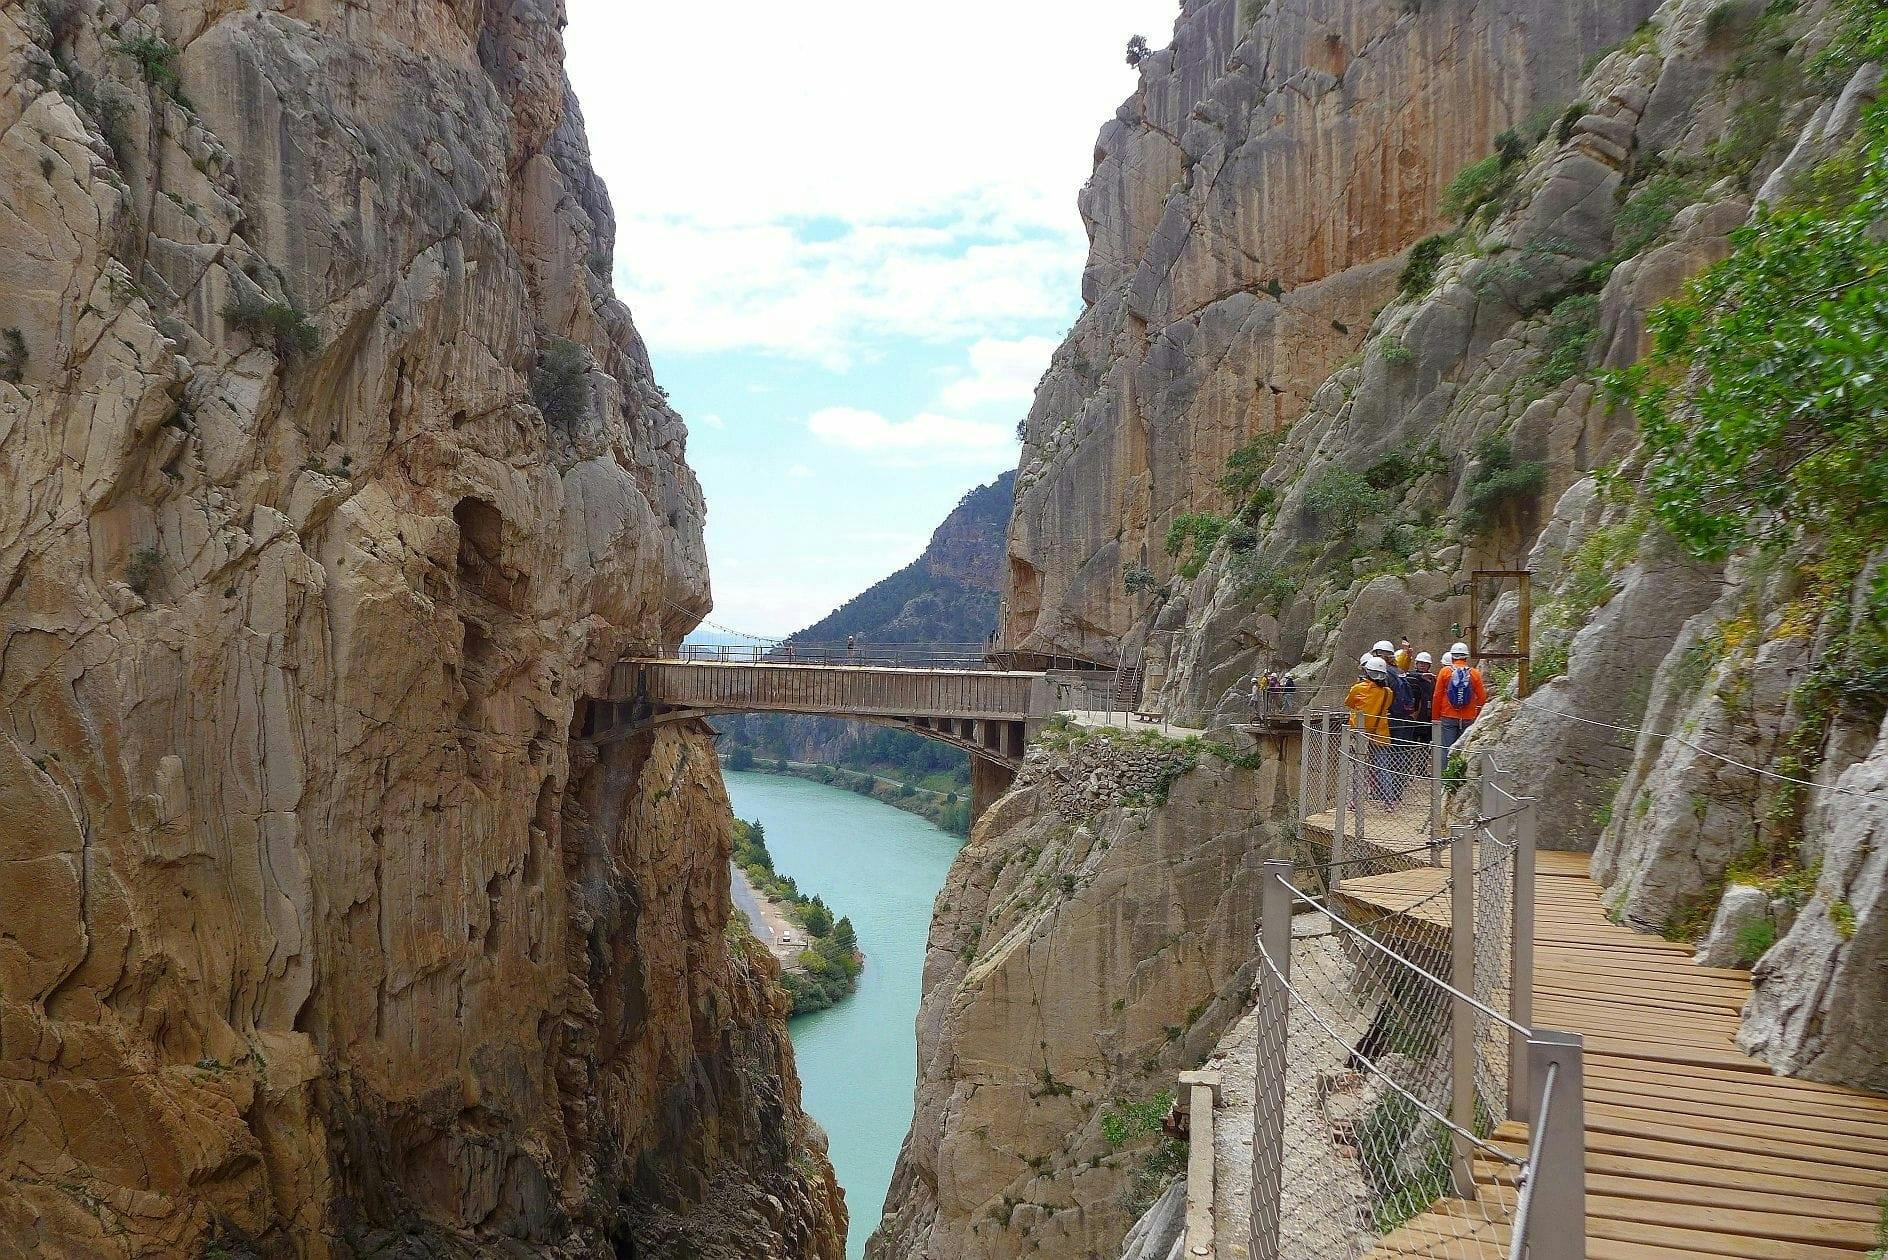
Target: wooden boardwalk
x=1695 y=1150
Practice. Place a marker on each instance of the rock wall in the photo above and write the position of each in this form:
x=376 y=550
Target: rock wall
x=1246 y=218
x=1468 y=429
x=335 y=477
x=1093 y=937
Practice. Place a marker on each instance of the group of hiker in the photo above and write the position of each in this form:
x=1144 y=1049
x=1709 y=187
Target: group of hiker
x=1396 y=699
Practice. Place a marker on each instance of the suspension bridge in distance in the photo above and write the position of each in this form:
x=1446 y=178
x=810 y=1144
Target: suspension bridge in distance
x=984 y=703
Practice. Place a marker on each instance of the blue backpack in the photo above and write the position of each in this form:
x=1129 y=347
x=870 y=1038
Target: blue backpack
x=1461 y=692
x=1402 y=696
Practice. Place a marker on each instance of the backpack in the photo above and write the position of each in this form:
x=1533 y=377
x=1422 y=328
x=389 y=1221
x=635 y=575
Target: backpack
x=1461 y=693
x=1402 y=697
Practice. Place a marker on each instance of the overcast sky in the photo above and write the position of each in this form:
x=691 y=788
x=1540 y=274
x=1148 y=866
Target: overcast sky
x=847 y=231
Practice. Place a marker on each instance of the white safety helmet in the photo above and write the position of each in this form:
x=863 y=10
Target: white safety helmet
x=1459 y=650
x=1367 y=660
x=1423 y=658
x=1384 y=645
x=1376 y=667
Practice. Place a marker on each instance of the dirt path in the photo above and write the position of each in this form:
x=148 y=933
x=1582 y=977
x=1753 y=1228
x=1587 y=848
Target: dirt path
x=769 y=921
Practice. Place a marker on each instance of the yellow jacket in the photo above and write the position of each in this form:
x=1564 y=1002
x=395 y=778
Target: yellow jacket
x=1369 y=705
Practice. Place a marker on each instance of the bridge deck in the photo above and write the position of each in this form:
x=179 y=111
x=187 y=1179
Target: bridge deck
x=1695 y=1150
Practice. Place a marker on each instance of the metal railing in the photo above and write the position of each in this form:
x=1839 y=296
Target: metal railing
x=1394 y=1021
x=955 y=656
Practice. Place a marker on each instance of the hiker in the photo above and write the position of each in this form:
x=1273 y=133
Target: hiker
x=1422 y=682
x=1405 y=732
x=1459 y=696
x=852 y=647
x=1369 y=703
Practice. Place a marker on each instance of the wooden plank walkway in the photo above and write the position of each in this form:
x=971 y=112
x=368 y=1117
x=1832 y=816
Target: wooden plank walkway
x=1695 y=1150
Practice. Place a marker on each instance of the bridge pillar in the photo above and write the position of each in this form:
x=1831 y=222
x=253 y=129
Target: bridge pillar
x=988 y=780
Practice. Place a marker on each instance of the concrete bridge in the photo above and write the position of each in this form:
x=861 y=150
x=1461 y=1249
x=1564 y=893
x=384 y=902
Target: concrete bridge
x=966 y=702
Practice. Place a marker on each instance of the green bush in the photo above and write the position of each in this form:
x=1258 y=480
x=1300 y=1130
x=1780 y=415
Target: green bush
x=1195 y=534
x=1474 y=186
x=560 y=384
x=1572 y=327
x=1248 y=463
x=142 y=571
x=1650 y=210
x=1138 y=578
x=279 y=325
x=1754 y=940
x=13 y=357
x=157 y=62
x=1759 y=405
x=1272 y=585
x=1569 y=119
x=1127 y=1122
x=1499 y=482
x=1722 y=19
x=1396 y=353
x=1549 y=661
x=1342 y=496
x=1424 y=261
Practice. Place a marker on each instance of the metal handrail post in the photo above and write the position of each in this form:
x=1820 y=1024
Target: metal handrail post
x=1461 y=1012
x=1521 y=959
x=1346 y=775
x=1558 y=1183
x=1268 y=1086
x=1437 y=764
x=1304 y=772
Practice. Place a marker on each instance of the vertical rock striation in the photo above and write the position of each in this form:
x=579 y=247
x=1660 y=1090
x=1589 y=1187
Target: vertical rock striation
x=1246 y=218
x=335 y=477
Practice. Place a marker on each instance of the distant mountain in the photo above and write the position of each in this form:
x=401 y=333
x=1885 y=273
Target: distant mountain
x=947 y=595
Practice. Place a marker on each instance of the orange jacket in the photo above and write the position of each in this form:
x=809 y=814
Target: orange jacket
x=1369 y=705
x=1441 y=708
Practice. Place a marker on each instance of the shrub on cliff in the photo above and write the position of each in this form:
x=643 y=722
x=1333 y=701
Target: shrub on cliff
x=1424 y=261
x=1473 y=187
x=560 y=384
x=279 y=325
x=13 y=357
x=1194 y=534
x=1499 y=483
x=1343 y=497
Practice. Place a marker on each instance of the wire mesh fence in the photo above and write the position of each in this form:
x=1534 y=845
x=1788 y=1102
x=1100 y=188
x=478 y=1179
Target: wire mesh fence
x=1394 y=1016
x=1362 y=1137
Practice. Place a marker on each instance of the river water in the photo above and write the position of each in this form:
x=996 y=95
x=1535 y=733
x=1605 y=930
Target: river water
x=859 y=1059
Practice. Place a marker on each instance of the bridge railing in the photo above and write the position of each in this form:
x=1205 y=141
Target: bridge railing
x=952 y=656
x=1394 y=1030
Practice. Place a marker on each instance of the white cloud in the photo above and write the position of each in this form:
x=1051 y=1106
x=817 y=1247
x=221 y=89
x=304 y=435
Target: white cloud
x=711 y=421
x=700 y=287
x=851 y=171
x=1002 y=374
x=933 y=435
x=799 y=471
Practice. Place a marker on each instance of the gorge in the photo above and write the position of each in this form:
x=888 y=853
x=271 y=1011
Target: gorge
x=355 y=898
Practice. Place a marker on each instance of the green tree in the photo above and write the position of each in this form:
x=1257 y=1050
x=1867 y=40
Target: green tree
x=816 y=917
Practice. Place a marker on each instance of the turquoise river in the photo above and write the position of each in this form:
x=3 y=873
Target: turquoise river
x=859 y=1060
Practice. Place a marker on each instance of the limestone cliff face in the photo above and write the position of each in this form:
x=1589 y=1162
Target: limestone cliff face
x=1247 y=214
x=1467 y=431
x=322 y=933
x=1093 y=937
